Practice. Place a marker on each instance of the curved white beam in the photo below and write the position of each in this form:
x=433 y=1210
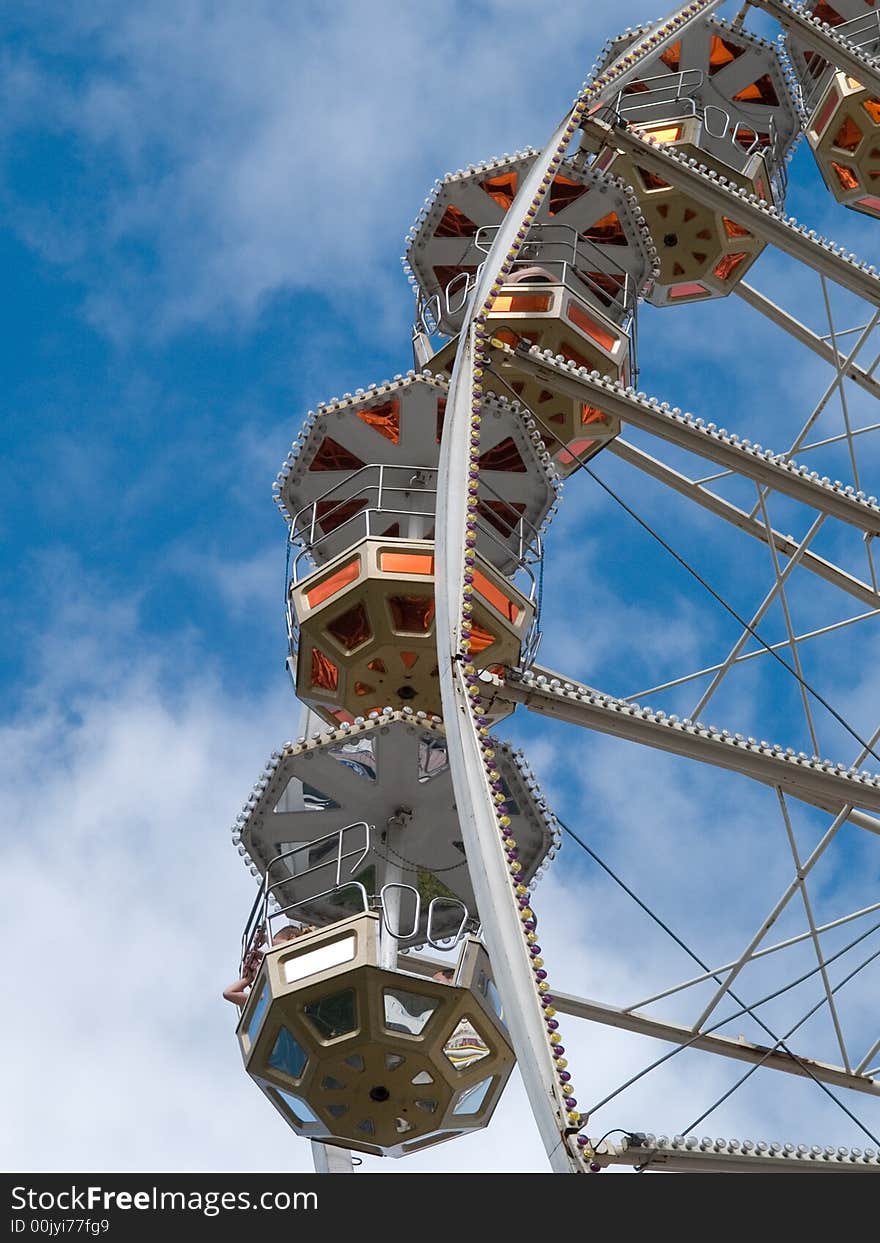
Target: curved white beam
x=479 y=830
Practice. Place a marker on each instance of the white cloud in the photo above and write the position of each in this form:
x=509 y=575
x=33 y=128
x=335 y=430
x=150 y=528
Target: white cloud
x=125 y=900
x=280 y=147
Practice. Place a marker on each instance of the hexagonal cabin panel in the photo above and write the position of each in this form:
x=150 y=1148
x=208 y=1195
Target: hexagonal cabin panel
x=378 y=1061
x=367 y=465
x=588 y=224
x=368 y=772
x=366 y=635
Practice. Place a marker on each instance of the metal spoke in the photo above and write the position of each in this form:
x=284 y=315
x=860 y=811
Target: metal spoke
x=759 y=613
x=814 y=933
x=739 y=518
x=761 y=651
x=775 y=912
x=789 y=630
x=761 y=953
x=865 y=379
x=844 y=407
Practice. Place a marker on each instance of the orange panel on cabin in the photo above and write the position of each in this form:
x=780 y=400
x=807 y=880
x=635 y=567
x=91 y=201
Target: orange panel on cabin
x=563 y=192
x=589 y=414
x=494 y=596
x=823 y=117
x=351 y=628
x=587 y=324
x=573 y=450
x=522 y=302
x=406 y=562
x=872 y=107
x=455 y=224
x=732 y=229
x=671 y=58
x=508 y=337
x=330 y=586
x=408 y=659
x=325 y=675
x=376 y=666
x=846 y=176
x=607 y=232
x=669 y=133
x=333 y=456
x=441 y=415
x=480 y=639
x=725 y=267
x=364 y=688
x=384 y=419
x=722 y=53
x=501 y=188
x=651 y=180
x=746 y=138
x=503 y=456
x=691 y=289
x=761 y=91
x=872 y=203
x=848 y=136
x=412 y=614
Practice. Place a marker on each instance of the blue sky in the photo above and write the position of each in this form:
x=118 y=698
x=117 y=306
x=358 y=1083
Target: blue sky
x=203 y=210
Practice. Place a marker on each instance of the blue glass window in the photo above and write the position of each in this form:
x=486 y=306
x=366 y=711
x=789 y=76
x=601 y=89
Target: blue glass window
x=288 y=1055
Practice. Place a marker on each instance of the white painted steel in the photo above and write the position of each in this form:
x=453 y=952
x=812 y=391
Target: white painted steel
x=814 y=781
x=772 y=226
x=513 y=973
x=690 y=1155
x=829 y=44
x=738 y=1048
x=775 y=470
x=331 y=1160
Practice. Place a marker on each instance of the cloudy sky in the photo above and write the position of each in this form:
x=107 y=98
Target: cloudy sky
x=203 y=207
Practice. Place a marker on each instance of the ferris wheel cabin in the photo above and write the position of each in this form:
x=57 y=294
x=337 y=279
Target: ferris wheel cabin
x=843 y=128
x=720 y=97
x=573 y=289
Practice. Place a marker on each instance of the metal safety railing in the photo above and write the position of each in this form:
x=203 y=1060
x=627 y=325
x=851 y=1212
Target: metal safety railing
x=403 y=494
x=673 y=99
x=332 y=855
x=522 y=551
x=863 y=32
x=328 y=854
x=562 y=250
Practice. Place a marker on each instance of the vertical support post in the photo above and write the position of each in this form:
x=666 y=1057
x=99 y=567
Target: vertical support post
x=331 y=1160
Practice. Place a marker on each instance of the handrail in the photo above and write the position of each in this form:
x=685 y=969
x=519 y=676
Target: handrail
x=525 y=544
x=257 y=930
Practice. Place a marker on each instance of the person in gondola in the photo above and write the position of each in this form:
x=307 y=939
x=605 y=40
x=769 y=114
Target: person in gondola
x=238 y=992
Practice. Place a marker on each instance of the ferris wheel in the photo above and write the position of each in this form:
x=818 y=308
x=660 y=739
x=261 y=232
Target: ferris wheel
x=394 y=948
